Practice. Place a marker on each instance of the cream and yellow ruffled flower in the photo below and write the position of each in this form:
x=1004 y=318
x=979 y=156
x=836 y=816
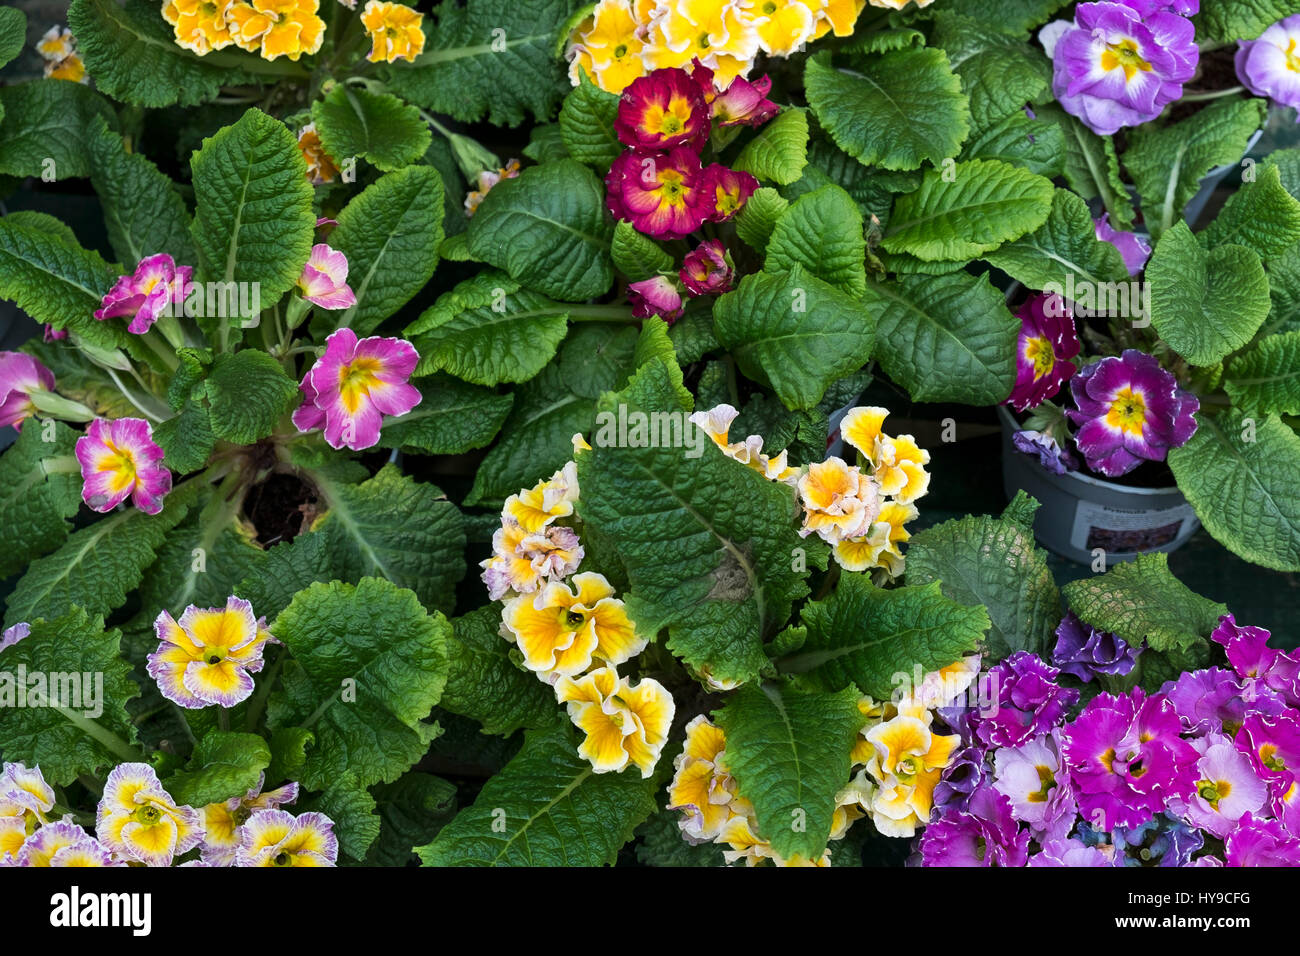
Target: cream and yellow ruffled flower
x=898 y=463
x=701 y=786
x=841 y=16
x=276 y=838
x=321 y=167
x=838 y=500
x=522 y=562
x=275 y=28
x=907 y=760
x=879 y=547
x=716 y=32
x=395 y=30
x=784 y=26
x=539 y=506
x=58 y=48
x=561 y=631
x=139 y=821
x=716 y=423
x=741 y=835
x=607 y=45
x=624 y=723
x=200 y=26
x=25 y=803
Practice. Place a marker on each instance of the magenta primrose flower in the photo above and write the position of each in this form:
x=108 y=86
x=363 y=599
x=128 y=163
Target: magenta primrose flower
x=353 y=385
x=1121 y=64
x=708 y=269
x=1133 y=249
x=664 y=195
x=324 y=279
x=1030 y=701
x=119 y=459
x=1227 y=788
x=983 y=834
x=657 y=295
x=743 y=103
x=20 y=376
x=726 y=191
x=156 y=284
x=1273 y=745
x=1131 y=410
x=1046 y=344
x=661 y=111
x=1258 y=842
x=1260 y=667
x=1270 y=65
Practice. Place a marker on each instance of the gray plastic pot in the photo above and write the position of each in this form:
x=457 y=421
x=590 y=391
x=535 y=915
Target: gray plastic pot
x=1080 y=514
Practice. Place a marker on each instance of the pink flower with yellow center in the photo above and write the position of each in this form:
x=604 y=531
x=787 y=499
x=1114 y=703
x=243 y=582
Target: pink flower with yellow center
x=223 y=823
x=658 y=295
x=701 y=786
x=395 y=31
x=324 y=279
x=897 y=464
x=662 y=110
x=561 y=631
x=522 y=562
x=275 y=28
x=20 y=377
x=200 y=26
x=146 y=294
x=139 y=821
x=744 y=103
x=708 y=269
x=624 y=723
x=210 y=655
x=119 y=459
x=278 y=838
x=662 y=194
x=726 y=192
x=1047 y=343
x=838 y=500
x=354 y=385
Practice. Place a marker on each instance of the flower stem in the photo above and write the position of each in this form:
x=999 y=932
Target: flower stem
x=111 y=741
x=600 y=313
x=1210 y=95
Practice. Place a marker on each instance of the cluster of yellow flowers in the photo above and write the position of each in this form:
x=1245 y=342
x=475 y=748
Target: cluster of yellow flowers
x=623 y=39
x=860 y=513
x=571 y=630
x=58 y=48
x=275 y=28
x=899 y=757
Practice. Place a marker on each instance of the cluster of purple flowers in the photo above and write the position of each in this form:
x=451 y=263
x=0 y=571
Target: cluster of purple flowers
x=1205 y=772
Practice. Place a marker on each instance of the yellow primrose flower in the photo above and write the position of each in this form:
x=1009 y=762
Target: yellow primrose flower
x=741 y=834
x=138 y=820
x=395 y=31
x=522 y=562
x=716 y=423
x=879 y=547
x=70 y=68
x=321 y=167
x=612 y=44
x=898 y=4
x=898 y=464
x=546 y=501
x=701 y=785
x=275 y=28
x=199 y=25
x=839 y=501
x=274 y=837
x=624 y=724
x=784 y=26
x=714 y=31
x=561 y=631
x=579 y=443
x=908 y=761
x=56 y=44
x=841 y=16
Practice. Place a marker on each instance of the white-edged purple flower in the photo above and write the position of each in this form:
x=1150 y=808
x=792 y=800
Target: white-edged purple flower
x=1134 y=250
x=1051 y=456
x=1227 y=788
x=12 y=635
x=1035 y=780
x=1270 y=64
x=1086 y=652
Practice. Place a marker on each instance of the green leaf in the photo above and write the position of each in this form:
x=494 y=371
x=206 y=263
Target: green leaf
x=1091 y=166
x=45 y=128
x=1065 y=248
x=1205 y=304
x=1001 y=78
x=638 y=256
x=368 y=665
x=390 y=234
x=549 y=230
x=489 y=58
x=253 y=217
x=485 y=685
x=99 y=565
x=822 y=232
x=396 y=528
x=779 y=152
x=1261 y=215
x=186 y=438
x=451 y=419
x=249 y=392
x=758 y=218
x=1265 y=378
x=1167 y=163
x=412 y=810
x=349 y=804
x=223 y=765
x=547 y=807
x=660 y=843
x=946 y=338
x=707 y=543
x=1007 y=16
x=376 y=127
x=986 y=204
x=488 y=330
x=789 y=754
x=794 y=332
x=35 y=502
x=132 y=54
x=70 y=738
x=13 y=33
x=863 y=636
x=142 y=210
x=993 y=562
x=1141 y=600
x=545 y=144
x=587 y=125
x=1225 y=21
x=289 y=568
x=903 y=109
x=1239 y=475
x=1036 y=144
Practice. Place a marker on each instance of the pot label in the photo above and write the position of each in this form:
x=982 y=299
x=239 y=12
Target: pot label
x=1123 y=531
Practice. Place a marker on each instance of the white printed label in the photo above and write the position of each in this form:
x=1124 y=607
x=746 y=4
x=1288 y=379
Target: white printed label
x=1122 y=531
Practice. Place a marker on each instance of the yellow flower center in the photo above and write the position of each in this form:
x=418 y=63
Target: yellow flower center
x=149 y=815
x=769 y=8
x=356 y=379
x=1212 y=791
x=571 y=619
x=671 y=186
x=1039 y=352
x=703 y=41
x=1292 y=61
x=1128 y=411
x=1048 y=781
x=1124 y=55
x=1268 y=756
x=620 y=51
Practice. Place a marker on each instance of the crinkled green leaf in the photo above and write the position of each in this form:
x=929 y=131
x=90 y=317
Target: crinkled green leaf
x=1091 y=166
x=587 y=125
x=1001 y=78
x=1038 y=145
x=452 y=418
x=13 y=33
x=779 y=152
x=289 y=568
x=35 y=502
x=1225 y=21
x=1062 y=249
x=547 y=807
x=1266 y=377
x=1240 y=476
x=248 y=393
x=485 y=685
x=376 y=127
x=46 y=126
x=759 y=217
x=186 y=438
x=412 y=810
x=789 y=754
x=638 y=256
x=349 y=804
x=660 y=843
x=822 y=232
x=1261 y=215
x=223 y=765
x=368 y=664
x=1140 y=600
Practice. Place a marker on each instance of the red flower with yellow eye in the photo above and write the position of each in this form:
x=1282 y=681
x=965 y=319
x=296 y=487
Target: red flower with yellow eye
x=727 y=191
x=661 y=194
x=661 y=111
